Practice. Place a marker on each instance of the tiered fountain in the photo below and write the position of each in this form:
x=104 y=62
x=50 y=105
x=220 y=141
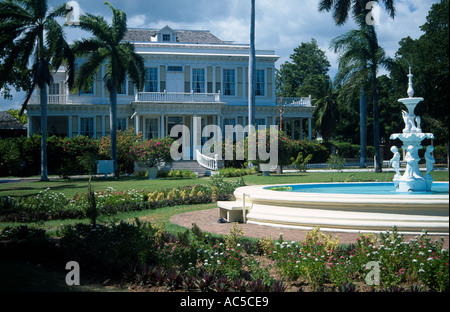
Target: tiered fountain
x=412 y=137
x=412 y=203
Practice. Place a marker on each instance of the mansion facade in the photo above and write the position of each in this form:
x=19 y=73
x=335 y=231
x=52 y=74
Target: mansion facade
x=192 y=79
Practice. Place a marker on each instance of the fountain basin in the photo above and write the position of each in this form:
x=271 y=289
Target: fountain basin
x=348 y=207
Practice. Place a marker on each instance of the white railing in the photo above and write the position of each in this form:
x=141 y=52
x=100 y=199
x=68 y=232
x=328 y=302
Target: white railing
x=294 y=101
x=51 y=99
x=208 y=162
x=177 y=97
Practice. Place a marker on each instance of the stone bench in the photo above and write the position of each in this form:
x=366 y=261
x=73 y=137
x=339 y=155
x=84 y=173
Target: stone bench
x=233 y=211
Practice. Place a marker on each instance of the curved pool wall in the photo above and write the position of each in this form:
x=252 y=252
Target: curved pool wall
x=347 y=212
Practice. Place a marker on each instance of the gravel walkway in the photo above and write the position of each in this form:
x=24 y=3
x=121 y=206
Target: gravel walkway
x=207 y=221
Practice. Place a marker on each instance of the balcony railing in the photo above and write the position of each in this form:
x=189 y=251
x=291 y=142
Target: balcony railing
x=294 y=101
x=51 y=99
x=181 y=97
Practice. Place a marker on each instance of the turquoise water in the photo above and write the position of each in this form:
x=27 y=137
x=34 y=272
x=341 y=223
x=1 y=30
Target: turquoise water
x=438 y=188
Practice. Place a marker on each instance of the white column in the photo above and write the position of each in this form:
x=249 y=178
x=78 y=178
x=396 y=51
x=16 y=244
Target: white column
x=293 y=129
x=310 y=129
x=144 y=133
x=69 y=134
x=162 y=126
x=301 y=129
x=196 y=135
x=186 y=140
x=136 y=123
x=103 y=126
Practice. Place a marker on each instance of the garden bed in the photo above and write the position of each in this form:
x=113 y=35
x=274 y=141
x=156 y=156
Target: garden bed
x=145 y=257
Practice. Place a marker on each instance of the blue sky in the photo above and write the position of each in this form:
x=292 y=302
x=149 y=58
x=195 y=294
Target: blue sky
x=280 y=25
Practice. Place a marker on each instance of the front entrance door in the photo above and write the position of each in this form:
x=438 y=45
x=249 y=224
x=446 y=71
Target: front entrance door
x=185 y=147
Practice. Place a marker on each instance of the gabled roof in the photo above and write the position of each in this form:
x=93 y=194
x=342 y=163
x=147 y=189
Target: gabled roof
x=183 y=36
x=9 y=122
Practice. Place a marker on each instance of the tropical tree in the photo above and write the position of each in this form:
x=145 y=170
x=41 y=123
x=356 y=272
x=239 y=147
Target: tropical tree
x=361 y=58
x=324 y=96
x=30 y=33
x=121 y=59
x=252 y=69
x=341 y=8
x=307 y=61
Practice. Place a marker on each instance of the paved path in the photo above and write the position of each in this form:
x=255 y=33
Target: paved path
x=207 y=221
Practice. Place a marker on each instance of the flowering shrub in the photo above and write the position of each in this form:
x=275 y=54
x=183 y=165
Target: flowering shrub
x=319 y=261
x=147 y=255
x=151 y=153
x=125 y=141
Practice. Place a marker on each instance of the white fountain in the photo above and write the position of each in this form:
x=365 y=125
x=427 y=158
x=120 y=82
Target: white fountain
x=412 y=137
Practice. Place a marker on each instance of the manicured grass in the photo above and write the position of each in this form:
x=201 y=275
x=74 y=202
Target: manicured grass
x=72 y=186
x=162 y=215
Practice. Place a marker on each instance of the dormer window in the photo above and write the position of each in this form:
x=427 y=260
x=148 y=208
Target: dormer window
x=166 y=34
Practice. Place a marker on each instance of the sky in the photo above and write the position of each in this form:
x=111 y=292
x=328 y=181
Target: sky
x=281 y=25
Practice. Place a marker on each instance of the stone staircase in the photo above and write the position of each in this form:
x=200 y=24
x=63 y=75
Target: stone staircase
x=187 y=165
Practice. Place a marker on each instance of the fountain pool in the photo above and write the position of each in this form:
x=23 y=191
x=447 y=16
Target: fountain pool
x=412 y=203
x=346 y=207
x=364 y=189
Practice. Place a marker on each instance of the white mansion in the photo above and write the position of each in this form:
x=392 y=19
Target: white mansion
x=188 y=74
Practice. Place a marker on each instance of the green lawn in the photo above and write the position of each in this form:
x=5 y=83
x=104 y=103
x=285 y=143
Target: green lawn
x=162 y=215
x=72 y=186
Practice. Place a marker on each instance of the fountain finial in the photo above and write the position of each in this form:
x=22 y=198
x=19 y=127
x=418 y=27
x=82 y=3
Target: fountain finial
x=410 y=84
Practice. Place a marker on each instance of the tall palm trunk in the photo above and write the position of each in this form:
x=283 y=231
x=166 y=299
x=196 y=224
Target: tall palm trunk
x=252 y=70
x=363 y=127
x=376 y=128
x=113 y=128
x=43 y=99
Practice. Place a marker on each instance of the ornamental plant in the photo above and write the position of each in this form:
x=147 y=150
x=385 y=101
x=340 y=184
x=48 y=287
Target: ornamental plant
x=152 y=153
x=125 y=141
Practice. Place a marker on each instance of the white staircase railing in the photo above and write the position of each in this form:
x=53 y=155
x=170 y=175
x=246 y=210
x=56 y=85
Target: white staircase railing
x=208 y=162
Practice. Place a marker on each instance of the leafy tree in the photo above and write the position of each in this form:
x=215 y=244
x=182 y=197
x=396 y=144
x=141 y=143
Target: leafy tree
x=17 y=78
x=428 y=57
x=23 y=119
x=366 y=59
x=307 y=60
x=121 y=58
x=29 y=32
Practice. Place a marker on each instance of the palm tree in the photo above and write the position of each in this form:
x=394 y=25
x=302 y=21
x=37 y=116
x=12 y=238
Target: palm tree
x=326 y=114
x=252 y=69
x=120 y=57
x=353 y=76
x=31 y=33
x=342 y=8
x=360 y=60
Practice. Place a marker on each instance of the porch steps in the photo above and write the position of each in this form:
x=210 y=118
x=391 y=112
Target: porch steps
x=188 y=165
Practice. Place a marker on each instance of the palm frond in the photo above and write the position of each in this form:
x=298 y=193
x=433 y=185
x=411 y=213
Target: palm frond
x=119 y=23
x=341 y=10
x=88 y=71
x=96 y=25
